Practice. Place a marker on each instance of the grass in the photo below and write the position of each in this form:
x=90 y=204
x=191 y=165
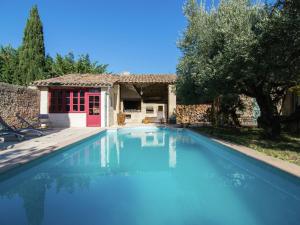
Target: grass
x=287 y=147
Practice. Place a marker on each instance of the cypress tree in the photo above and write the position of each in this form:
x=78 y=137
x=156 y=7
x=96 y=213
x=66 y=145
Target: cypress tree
x=32 y=52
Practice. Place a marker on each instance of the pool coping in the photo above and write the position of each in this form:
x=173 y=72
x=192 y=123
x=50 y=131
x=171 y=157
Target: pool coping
x=285 y=166
x=27 y=158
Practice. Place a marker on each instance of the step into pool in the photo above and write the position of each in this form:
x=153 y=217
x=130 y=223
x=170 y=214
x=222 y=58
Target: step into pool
x=148 y=176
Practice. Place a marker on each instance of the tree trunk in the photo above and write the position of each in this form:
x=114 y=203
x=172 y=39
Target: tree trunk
x=235 y=118
x=269 y=118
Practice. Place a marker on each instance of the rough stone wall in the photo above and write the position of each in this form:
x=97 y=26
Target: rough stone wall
x=193 y=113
x=248 y=117
x=17 y=99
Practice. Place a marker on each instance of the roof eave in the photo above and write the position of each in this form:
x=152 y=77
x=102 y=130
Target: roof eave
x=74 y=85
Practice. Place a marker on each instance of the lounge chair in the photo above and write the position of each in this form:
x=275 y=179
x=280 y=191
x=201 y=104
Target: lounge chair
x=4 y=131
x=21 y=131
x=42 y=119
x=25 y=122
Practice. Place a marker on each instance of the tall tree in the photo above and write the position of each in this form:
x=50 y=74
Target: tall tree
x=32 y=51
x=276 y=57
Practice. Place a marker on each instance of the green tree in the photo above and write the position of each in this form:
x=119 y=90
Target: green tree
x=276 y=57
x=68 y=64
x=32 y=52
x=240 y=48
x=29 y=62
x=8 y=64
x=64 y=64
x=49 y=66
x=84 y=65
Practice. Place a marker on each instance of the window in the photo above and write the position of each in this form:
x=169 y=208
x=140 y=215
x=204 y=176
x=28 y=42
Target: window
x=132 y=105
x=78 y=101
x=94 y=105
x=64 y=101
x=68 y=101
x=160 y=108
x=94 y=90
x=56 y=103
x=149 y=110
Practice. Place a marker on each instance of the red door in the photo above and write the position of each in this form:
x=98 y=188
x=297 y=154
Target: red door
x=93 y=107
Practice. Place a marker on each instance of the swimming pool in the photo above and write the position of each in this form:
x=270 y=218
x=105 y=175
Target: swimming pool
x=148 y=176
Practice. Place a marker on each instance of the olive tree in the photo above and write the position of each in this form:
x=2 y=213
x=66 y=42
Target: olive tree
x=241 y=48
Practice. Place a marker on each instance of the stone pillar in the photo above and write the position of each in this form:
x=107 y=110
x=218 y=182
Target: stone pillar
x=118 y=103
x=103 y=107
x=118 y=98
x=107 y=98
x=44 y=104
x=171 y=100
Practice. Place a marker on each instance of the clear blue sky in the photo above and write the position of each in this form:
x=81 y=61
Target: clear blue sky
x=130 y=35
x=138 y=36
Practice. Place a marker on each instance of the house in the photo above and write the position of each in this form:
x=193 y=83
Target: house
x=95 y=100
x=290 y=103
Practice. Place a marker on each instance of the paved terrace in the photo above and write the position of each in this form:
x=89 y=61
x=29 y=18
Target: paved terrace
x=18 y=153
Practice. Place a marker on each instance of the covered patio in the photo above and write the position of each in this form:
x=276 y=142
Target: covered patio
x=146 y=98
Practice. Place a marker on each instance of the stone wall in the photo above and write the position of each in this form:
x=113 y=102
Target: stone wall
x=195 y=114
x=17 y=99
x=251 y=112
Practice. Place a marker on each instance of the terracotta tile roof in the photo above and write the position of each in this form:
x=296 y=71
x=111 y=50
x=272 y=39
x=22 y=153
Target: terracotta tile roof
x=148 y=78
x=87 y=80
x=100 y=80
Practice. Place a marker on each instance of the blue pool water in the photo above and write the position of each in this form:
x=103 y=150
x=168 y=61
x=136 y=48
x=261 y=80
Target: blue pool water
x=148 y=176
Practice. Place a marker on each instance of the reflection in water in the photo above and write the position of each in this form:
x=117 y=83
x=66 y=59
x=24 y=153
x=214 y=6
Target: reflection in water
x=112 y=148
x=130 y=170
x=74 y=168
x=172 y=152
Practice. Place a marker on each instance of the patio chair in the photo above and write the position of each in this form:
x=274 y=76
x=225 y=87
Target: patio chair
x=7 y=131
x=42 y=119
x=21 y=131
x=28 y=124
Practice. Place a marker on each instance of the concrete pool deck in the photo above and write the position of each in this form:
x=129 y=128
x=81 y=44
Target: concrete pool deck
x=19 y=153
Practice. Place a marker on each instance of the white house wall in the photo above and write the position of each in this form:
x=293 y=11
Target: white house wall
x=171 y=101
x=103 y=107
x=68 y=119
x=137 y=117
x=44 y=100
x=114 y=99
